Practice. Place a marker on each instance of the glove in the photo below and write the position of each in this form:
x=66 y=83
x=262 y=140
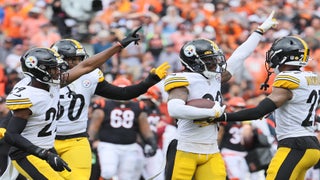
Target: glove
x=53 y=160
x=268 y=23
x=2 y=131
x=132 y=36
x=161 y=71
x=151 y=147
x=218 y=109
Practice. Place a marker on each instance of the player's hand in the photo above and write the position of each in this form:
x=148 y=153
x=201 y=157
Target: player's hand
x=218 y=109
x=2 y=131
x=161 y=71
x=268 y=23
x=53 y=160
x=149 y=151
x=132 y=36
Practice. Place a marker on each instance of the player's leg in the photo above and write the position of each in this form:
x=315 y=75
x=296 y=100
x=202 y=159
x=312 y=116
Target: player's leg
x=290 y=163
x=71 y=150
x=185 y=165
x=109 y=159
x=131 y=162
x=32 y=167
x=211 y=166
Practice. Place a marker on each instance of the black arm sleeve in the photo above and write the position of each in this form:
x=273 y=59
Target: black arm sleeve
x=5 y=121
x=14 y=138
x=264 y=107
x=110 y=91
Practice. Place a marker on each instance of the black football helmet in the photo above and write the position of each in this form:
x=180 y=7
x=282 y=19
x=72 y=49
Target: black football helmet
x=203 y=56
x=70 y=48
x=37 y=61
x=289 y=50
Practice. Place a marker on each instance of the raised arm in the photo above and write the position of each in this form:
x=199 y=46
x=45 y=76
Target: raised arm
x=98 y=59
x=246 y=48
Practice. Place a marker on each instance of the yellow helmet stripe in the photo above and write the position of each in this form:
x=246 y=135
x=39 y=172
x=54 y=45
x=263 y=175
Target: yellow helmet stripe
x=306 y=48
x=77 y=43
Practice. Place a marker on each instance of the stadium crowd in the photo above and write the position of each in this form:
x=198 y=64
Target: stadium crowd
x=166 y=26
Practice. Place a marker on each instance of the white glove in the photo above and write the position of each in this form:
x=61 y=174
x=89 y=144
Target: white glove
x=268 y=23
x=218 y=109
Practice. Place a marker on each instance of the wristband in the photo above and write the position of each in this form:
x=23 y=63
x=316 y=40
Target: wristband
x=119 y=44
x=259 y=30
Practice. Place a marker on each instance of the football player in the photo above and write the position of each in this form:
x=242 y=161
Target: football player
x=293 y=102
x=72 y=139
x=197 y=149
x=31 y=130
x=151 y=101
x=116 y=124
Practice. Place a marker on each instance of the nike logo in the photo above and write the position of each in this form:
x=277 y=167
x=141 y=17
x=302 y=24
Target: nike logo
x=18 y=95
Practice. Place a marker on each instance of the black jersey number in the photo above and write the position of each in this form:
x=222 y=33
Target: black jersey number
x=217 y=98
x=77 y=97
x=313 y=99
x=121 y=118
x=50 y=116
x=76 y=101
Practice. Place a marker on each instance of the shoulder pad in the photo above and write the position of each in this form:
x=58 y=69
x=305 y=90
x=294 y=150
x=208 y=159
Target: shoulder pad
x=14 y=104
x=286 y=81
x=174 y=81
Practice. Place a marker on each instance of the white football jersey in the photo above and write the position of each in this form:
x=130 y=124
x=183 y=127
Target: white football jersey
x=192 y=137
x=74 y=103
x=41 y=126
x=297 y=116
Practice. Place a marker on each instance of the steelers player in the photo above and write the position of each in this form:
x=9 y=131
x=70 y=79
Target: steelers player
x=31 y=130
x=197 y=154
x=293 y=102
x=72 y=139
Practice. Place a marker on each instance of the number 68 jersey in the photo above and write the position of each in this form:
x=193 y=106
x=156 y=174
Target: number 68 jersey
x=297 y=116
x=41 y=125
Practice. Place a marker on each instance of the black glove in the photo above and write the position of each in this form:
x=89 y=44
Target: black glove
x=53 y=159
x=132 y=36
x=150 y=148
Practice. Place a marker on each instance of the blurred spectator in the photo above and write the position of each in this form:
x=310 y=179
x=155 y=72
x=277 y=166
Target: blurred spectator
x=32 y=24
x=59 y=18
x=171 y=20
x=155 y=46
x=181 y=36
x=13 y=20
x=5 y=49
x=171 y=56
x=46 y=37
x=104 y=41
x=13 y=59
x=13 y=77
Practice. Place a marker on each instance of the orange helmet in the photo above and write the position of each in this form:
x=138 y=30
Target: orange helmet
x=122 y=82
x=153 y=93
x=236 y=102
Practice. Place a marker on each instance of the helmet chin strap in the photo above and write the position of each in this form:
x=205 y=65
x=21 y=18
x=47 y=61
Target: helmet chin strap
x=209 y=74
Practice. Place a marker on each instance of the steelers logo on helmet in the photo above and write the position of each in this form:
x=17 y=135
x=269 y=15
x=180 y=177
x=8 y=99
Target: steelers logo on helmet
x=190 y=51
x=31 y=62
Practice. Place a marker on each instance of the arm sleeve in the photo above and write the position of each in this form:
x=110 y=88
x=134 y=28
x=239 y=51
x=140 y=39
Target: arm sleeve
x=110 y=91
x=14 y=138
x=264 y=107
x=178 y=109
x=5 y=121
x=237 y=58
